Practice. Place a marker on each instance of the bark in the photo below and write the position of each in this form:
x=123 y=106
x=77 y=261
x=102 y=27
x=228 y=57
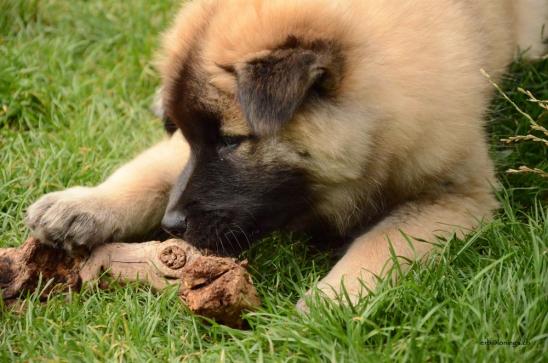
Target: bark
x=216 y=287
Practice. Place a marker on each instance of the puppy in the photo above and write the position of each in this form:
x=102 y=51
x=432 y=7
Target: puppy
x=352 y=119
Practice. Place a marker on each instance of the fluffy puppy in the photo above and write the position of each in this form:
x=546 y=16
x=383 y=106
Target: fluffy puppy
x=354 y=119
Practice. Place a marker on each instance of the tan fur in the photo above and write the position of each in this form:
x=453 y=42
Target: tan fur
x=530 y=16
x=405 y=138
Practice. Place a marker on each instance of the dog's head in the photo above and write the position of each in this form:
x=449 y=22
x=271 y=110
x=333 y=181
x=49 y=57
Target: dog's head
x=266 y=94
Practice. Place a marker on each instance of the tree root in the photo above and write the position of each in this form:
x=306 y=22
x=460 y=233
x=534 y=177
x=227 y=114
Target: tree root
x=215 y=287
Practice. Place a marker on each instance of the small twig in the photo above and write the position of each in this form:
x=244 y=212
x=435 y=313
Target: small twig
x=527 y=170
x=533 y=126
x=525 y=114
x=532 y=98
x=529 y=137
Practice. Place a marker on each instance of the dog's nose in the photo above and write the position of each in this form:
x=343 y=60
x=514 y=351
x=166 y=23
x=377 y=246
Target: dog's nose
x=174 y=223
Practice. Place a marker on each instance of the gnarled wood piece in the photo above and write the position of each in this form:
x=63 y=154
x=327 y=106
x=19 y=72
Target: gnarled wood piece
x=22 y=268
x=215 y=287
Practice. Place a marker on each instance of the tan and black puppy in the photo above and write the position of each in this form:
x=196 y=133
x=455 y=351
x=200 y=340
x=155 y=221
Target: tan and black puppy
x=359 y=119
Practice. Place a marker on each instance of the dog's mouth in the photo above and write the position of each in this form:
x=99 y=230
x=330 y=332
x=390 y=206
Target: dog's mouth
x=230 y=236
x=221 y=236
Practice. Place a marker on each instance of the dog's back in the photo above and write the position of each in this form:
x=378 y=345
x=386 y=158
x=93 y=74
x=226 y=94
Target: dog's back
x=530 y=21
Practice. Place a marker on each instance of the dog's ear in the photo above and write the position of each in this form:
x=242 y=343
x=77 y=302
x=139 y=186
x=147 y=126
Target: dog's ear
x=272 y=87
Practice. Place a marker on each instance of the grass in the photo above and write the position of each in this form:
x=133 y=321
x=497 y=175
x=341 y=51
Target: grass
x=76 y=83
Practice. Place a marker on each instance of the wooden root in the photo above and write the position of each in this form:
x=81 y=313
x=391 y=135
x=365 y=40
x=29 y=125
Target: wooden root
x=216 y=287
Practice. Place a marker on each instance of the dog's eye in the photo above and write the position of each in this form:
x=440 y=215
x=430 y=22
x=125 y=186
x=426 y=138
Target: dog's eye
x=232 y=141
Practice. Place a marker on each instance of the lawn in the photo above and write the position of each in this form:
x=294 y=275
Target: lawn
x=76 y=83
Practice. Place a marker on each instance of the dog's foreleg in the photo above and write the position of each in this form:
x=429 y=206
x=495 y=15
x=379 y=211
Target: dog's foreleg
x=408 y=234
x=130 y=203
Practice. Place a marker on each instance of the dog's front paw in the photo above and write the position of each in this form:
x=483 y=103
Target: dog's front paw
x=72 y=219
x=303 y=305
x=349 y=292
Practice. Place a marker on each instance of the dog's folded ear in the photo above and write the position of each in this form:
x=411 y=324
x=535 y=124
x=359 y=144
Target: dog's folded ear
x=272 y=87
